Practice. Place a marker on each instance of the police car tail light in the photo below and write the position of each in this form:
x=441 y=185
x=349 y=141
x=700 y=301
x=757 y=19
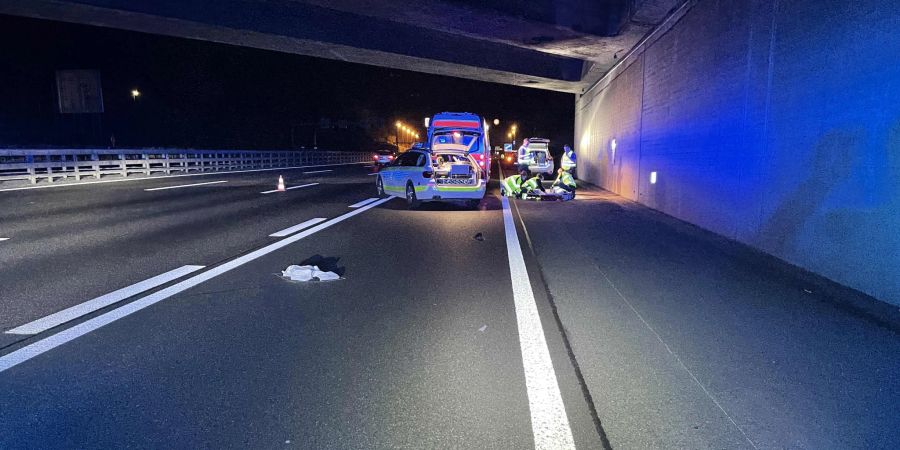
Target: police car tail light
x=427 y=174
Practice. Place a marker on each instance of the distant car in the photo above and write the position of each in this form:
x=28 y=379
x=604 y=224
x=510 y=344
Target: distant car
x=535 y=156
x=382 y=158
x=507 y=159
x=423 y=175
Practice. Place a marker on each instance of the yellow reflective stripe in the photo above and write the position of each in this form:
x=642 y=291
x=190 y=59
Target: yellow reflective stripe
x=459 y=188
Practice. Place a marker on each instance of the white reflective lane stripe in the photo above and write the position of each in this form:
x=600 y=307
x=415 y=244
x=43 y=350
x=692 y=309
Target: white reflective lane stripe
x=49 y=343
x=298 y=227
x=4 y=239
x=363 y=203
x=370 y=174
x=287 y=189
x=318 y=171
x=549 y=422
x=185 y=185
x=61 y=317
x=162 y=177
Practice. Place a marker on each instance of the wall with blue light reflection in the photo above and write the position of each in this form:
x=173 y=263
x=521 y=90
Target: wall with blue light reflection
x=775 y=123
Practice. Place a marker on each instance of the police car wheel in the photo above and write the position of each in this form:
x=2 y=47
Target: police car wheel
x=379 y=185
x=411 y=200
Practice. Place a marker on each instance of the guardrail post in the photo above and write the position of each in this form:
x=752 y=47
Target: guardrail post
x=95 y=164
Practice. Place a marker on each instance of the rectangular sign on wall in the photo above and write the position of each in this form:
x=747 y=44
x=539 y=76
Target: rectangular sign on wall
x=79 y=91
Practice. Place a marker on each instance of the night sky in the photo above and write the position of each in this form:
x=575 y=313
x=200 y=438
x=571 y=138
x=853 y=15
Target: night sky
x=206 y=95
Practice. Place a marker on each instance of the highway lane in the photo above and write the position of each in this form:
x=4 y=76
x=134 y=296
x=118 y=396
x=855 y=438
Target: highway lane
x=680 y=340
x=73 y=243
x=416 y=347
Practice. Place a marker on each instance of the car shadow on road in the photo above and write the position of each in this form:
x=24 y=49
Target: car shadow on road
x=488 y=203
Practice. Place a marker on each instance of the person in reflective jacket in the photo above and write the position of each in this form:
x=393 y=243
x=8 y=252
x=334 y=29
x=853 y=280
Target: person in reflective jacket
x=531 y=185
x=564 y=185
x=568 y=161
x=512 y=186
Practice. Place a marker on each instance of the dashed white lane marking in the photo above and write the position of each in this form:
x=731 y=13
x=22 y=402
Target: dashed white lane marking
x=49 y=343
x=4 y=239
x=298 y=227
x=162 y=177
x=61 y=317
x=185 y=185
x=317 y=171
x=288 y=189
x=370 y=174
x=363 y=203
x=549 y=422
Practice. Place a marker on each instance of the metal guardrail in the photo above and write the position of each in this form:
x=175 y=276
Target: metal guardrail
x=34 y=166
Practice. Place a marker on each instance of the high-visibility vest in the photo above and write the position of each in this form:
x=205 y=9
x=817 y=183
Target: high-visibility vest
x=531 y=184
x=568 y=160
x=566 y=179
x=512 y=185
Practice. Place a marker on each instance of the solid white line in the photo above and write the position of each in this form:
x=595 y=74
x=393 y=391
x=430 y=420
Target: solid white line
x=287 y=189
x=49 y=343
x=184 y=185
x=318 y=171
x=549 y=422
x=162 y=177
x=61 y=317
x=298 y=227
x=364 y=202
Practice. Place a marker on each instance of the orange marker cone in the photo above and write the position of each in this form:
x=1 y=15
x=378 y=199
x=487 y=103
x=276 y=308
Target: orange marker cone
x=280 y=183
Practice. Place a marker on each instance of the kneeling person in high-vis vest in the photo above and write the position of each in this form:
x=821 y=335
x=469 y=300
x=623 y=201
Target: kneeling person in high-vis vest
x=531 y=186
x=564 y=185
x=512 y=186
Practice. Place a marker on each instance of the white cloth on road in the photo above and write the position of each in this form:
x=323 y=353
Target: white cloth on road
x=308 y=273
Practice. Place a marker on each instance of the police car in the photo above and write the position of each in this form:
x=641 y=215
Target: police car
x=425 y=175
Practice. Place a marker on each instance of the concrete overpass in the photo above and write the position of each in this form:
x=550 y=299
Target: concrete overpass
x=563 y=45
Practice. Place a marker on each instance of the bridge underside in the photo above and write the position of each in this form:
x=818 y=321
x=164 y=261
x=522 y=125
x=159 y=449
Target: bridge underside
x=561 y=45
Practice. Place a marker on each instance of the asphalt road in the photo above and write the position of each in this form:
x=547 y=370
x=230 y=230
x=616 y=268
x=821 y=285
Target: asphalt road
x=656 y=338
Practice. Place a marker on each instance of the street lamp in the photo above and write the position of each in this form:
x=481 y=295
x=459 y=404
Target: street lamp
x=496 y=122
x=135 y=94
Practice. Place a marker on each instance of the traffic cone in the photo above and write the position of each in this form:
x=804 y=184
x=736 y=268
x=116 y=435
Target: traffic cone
x=280 y=183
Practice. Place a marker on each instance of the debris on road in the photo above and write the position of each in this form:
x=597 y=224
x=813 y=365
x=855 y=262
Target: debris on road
x=308 y=273
x=479 y=237
x=483 y=327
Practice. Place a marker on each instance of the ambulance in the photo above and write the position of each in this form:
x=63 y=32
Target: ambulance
x=461 y=132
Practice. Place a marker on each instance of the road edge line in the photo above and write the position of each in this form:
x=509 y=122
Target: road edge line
x=549 y=422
